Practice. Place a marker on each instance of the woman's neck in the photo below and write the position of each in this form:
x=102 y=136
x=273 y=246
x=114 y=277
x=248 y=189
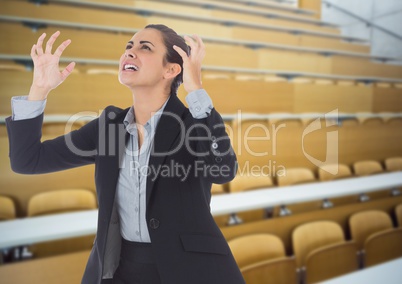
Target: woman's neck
x=147 y=103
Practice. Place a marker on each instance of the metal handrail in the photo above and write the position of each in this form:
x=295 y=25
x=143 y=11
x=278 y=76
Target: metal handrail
x=361 y=19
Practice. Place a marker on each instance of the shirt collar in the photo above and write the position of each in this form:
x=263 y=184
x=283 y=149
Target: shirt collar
x=129 y=120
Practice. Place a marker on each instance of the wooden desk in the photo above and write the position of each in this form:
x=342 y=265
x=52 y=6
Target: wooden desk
x=63 y=269
x=263 y=198
x=53 y=227
x=47 y=228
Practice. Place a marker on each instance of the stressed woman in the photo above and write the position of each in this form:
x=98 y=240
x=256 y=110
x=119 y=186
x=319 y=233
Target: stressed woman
x=155 y=162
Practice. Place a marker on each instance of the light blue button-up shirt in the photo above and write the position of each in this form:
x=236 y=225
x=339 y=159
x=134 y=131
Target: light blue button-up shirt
x=131 y=185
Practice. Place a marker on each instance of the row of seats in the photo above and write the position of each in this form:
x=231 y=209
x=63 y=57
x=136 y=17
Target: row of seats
x=321 y=250
x=240 y=183
x=295 y=176
x=339 y=64
x=59 y=125
x=280 y=12
x=54 y=202
x=234 y=17
x=59 y=122
x=243 y=14
x=67 y=201
x=219 y=53
x=251 y=96
x=288 y=143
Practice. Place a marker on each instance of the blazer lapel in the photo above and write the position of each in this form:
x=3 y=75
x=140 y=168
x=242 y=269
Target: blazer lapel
x=115 y=140
x=167 y=130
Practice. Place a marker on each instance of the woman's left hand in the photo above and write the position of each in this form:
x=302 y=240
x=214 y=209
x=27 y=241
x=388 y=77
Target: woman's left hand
x=192 y=63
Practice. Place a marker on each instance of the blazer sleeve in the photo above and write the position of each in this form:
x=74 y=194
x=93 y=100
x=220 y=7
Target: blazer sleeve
x=29 y=155
x=214 y=150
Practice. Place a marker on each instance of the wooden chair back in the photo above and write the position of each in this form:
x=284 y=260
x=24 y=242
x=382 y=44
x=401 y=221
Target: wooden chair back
x=7 y=208
x=313 y=235
x=364 y=224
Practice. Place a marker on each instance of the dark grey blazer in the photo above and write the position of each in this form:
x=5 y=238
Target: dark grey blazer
x=188 y=246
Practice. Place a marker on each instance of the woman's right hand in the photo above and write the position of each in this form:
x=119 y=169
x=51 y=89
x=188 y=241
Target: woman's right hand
x=46 y=73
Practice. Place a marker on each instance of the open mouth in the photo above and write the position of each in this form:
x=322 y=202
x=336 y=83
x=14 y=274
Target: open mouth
x=131 y=67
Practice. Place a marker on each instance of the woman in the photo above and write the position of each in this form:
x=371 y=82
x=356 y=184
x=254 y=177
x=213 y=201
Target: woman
x=154 y=163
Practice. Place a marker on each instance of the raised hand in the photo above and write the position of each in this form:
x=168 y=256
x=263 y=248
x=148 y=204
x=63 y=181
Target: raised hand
x=46 y=74
x=192 y=63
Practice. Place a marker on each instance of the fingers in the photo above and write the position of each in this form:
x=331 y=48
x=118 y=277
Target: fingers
x=67 y=71
x=62 y=47
x=193 y=45
x=196 y=44
x=33 y=52
x=39 y=49
x=181 y=52
x=199 y=41
x=50 y=42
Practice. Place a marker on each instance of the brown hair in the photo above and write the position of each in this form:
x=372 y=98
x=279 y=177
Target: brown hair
x=170 y=38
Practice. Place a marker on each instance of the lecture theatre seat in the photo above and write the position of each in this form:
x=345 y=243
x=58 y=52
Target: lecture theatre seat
x=393 y=164
x=3 y=130
x=61 y=201
x=7 y=212
x=7 y=208
x=398 y=214
x=394 y=121
x=55 y=129
x=350 y=122
x=377 y=240
x=322 y=252
x=262 y=259
x=247 y=151
x=370 y=121
x=294 y=176
x=370 y=167
x=365 y=223
x=334 y=171
x=249 y=182
x=383 y=246
x=217 y=189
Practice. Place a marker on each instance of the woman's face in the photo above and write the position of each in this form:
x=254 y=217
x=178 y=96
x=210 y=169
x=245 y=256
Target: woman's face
x=141 y=65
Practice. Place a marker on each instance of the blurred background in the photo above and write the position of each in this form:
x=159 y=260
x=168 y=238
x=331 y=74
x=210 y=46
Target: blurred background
x=310 y=92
